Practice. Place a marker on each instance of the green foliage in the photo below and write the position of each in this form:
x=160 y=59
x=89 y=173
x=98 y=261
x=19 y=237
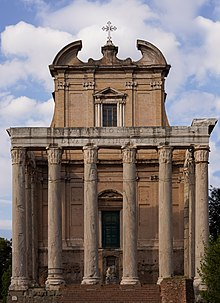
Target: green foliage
x=5 y=267
x=214 y=213
x=210 y=272
x=6 y=279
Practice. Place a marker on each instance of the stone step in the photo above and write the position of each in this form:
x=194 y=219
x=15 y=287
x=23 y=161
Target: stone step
x=149 y=293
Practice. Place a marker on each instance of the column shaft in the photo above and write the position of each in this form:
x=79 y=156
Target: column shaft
x=129 y=217
x=202 y=216
x=189 y=215
x=165 y=213
x=55 y=271
x=19 y=279
x=91 y=271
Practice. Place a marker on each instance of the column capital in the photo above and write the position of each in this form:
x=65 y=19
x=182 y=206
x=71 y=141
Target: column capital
x=18 y=155
x=54 y=154
x=201 y=153
x=165 y=154
x=129 y=154
x=90 y=154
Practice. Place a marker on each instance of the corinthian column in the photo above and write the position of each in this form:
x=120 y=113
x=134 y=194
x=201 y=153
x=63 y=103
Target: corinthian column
x=55 y=271
x=202 y=216
x=165 y=213
x=91 y=271
x=189 y=215
x=19 y=279
x=129 y=217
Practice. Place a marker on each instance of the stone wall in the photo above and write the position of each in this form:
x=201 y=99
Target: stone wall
x=177 y=289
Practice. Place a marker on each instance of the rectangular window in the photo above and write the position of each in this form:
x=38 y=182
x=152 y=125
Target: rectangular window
x=109 y=115
x=110 y=229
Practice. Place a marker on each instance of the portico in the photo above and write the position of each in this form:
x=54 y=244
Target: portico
x=23 y=140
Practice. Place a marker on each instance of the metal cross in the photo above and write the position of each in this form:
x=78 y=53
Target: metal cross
x=109 y=28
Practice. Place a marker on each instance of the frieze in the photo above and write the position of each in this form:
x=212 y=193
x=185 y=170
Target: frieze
x=109 y=136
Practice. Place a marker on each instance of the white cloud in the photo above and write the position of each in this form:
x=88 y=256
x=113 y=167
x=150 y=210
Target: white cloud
x=24 y=111
x=28 y=51
x=194 y=104
x=21 y=111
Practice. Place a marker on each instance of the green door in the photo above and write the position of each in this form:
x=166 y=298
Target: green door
x=110 y=229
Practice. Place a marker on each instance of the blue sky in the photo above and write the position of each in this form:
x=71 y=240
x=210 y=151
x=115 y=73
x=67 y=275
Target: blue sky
x=33 y=31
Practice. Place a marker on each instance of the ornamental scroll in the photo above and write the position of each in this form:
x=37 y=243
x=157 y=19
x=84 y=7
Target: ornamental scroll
x=201 y=154
x=18 y=155
x=90 y=154
x=54 y=155
x=129 y=154
x=165 y=154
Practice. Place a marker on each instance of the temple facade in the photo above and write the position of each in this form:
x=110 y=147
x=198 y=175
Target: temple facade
x=110 y=192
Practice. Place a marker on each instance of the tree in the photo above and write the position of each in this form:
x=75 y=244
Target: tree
x=210 y=265
x=214 y=213
x=6 y=279
x=5 y=266
x=210 y=272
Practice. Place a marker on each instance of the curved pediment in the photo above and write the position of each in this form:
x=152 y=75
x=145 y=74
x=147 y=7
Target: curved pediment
x=68 y=54
x=151 y=55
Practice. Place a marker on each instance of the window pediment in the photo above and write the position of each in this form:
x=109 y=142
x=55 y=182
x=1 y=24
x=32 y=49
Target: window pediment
x=109 y=93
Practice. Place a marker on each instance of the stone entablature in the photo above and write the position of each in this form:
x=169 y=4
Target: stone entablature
x=176 y=136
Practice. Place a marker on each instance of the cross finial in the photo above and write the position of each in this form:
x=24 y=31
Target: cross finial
x=109 y=28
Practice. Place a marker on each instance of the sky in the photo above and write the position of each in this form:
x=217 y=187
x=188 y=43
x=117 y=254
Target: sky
x=33 y=31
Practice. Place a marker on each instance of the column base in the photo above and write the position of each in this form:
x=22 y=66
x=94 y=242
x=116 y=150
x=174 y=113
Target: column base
x=130 y=281
x=198 y=286
x=160 y=279
x=90 y=280
x=55 y=282
x=19 y=283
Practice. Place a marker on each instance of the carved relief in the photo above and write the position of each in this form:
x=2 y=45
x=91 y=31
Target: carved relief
x=189 y=163
x=156 y=84
x=201 y=154
x=18 y=155
x=165 y=154
x=89 y=85
x=54 y=155
x=90 y=154
x=129 y=154
x=131 y=84
x=62 y=85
